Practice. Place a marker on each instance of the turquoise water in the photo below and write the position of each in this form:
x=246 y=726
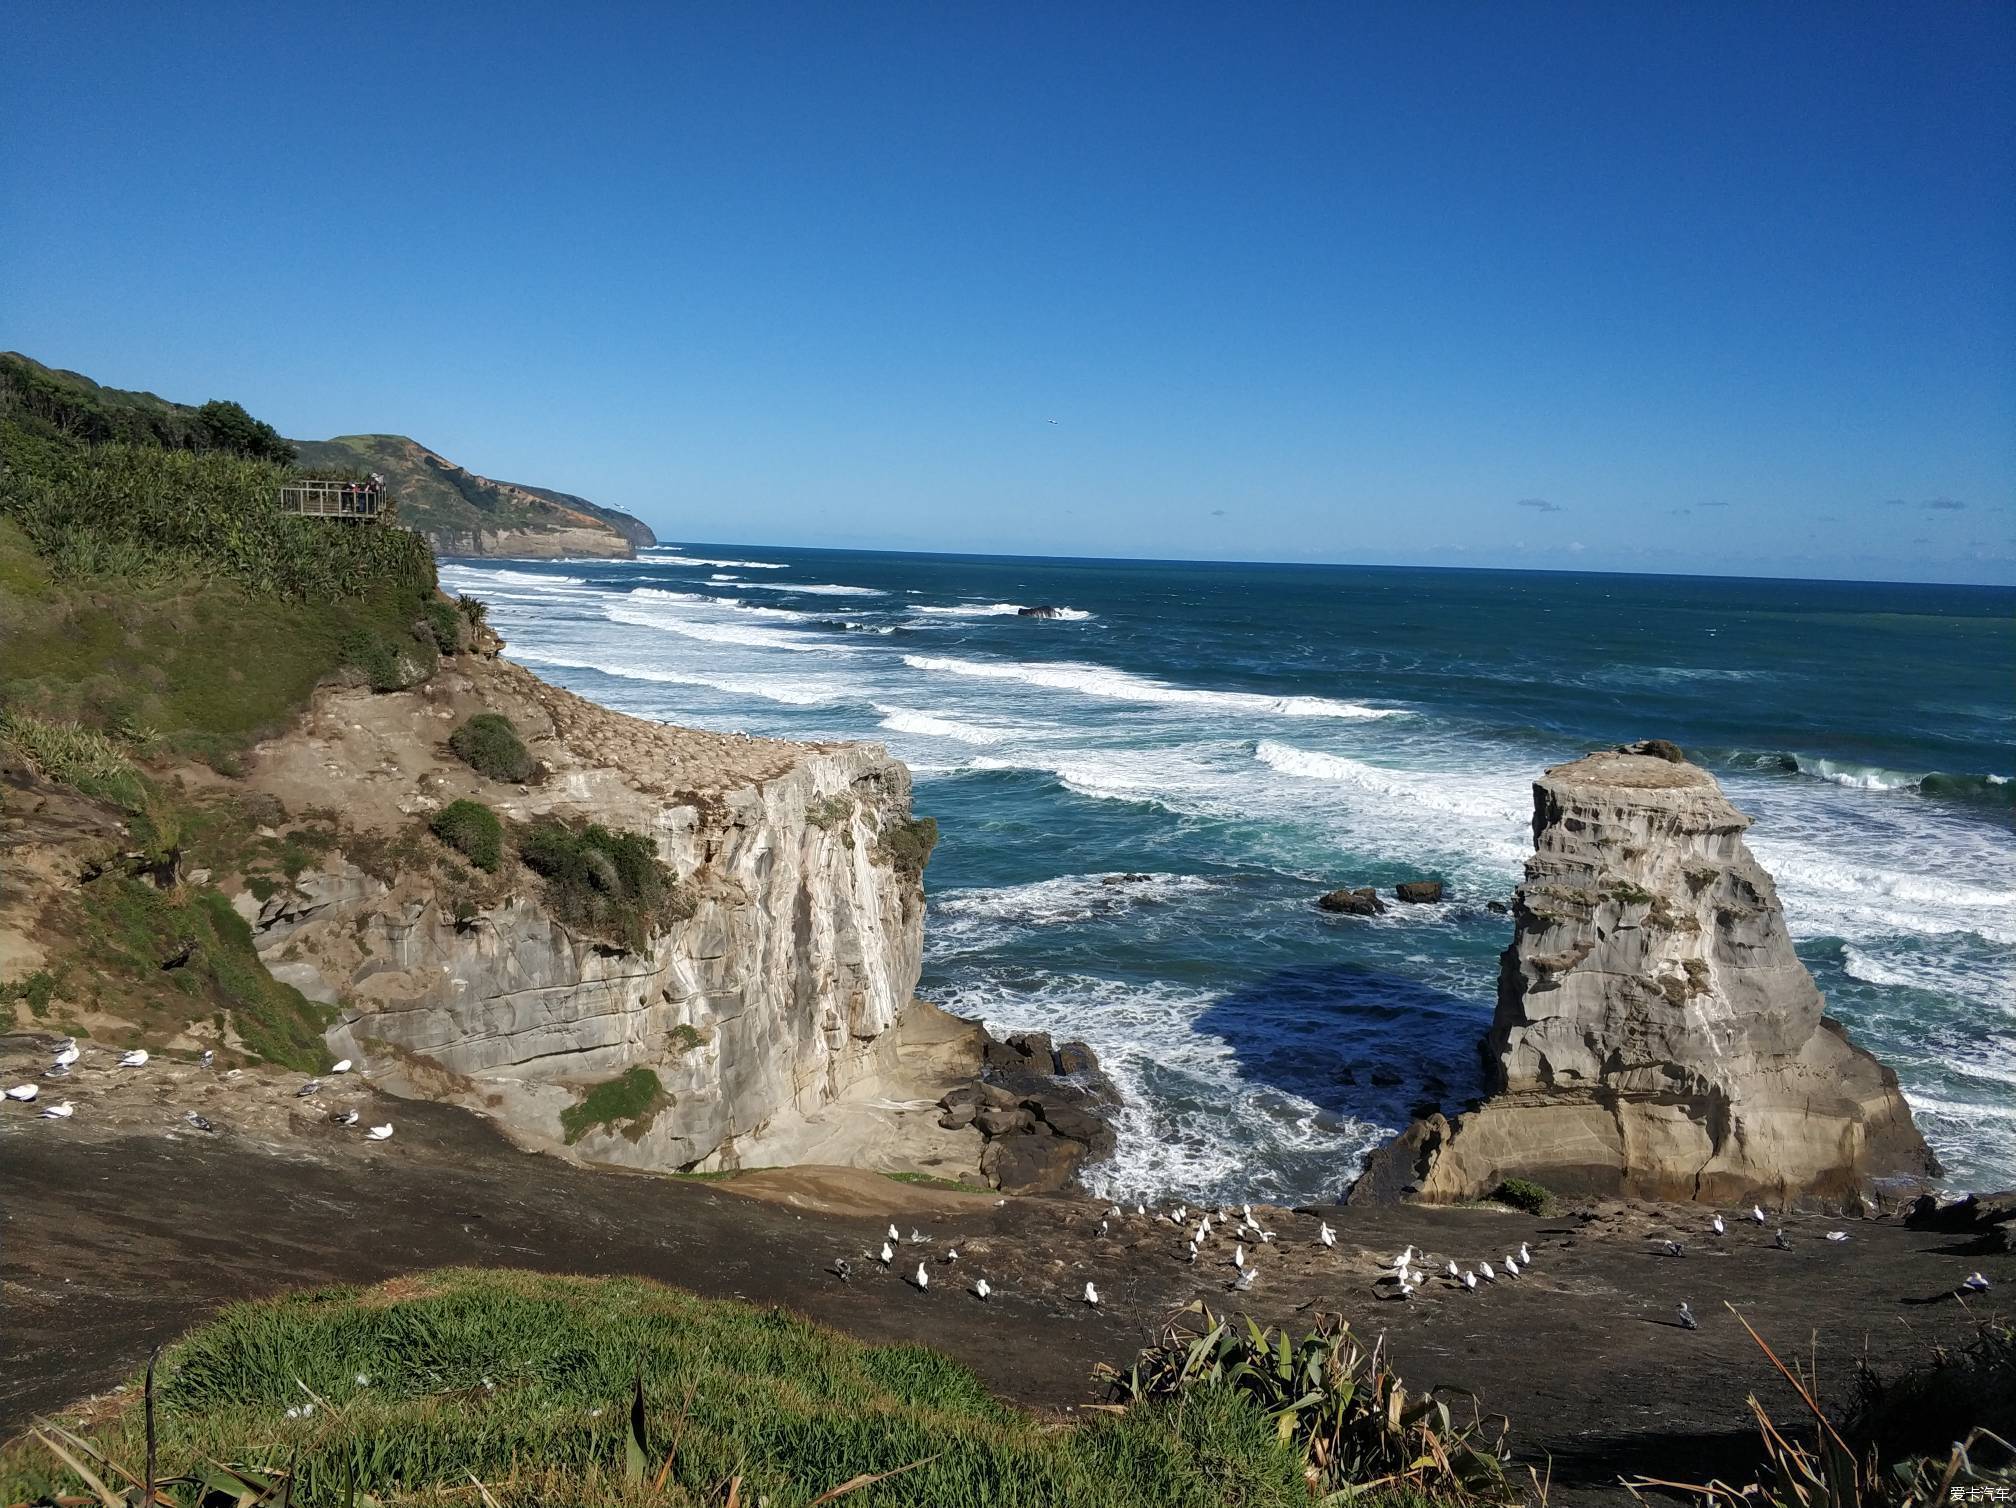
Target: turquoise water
x=1248 y=736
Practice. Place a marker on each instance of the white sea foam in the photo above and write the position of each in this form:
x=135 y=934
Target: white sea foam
x=651 y=615
x=502 y=573
x=723 y=576
x=813 y=588
x=963 y=918
x=935 y=725
x=792 y=693
x=699 y=560
x=1120 y=685
x=1002 y=610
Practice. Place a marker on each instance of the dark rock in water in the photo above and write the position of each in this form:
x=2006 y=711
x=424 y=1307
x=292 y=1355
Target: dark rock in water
x=1419 y=892
x=1127 y=879
x=1656 y=748
x=1361 y=902
x=1046 y=610
x=1076 y=1057
x=1385 y=1078
x=1045 y=1111
x=1496 y=908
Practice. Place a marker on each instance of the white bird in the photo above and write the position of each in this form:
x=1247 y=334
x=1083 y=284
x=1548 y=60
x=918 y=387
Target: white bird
x=888 y=1254
x=1470 y=1281
x=1238 y=1256
x=209 y=1056
x=1246 y=1278
x=1204 y=1226
x=67 y=1054
x=137 y=1058
x=1105 y=1226
x=895 y=1234
x=1140 y=1209
x=1687 y=1320
x=307 y=1089
x=952 y=1254
x=1190 y=1253
x=1975 y=1282
x=922 y=1279
x=380 y=1133
x=1247 y=1211
x=342 y=1067
x=1757 y=1213
x=61 y=1112
x=1485 y=1272
x=198 y=1122
x=1718 y=1227
x=1091 y=1295
x=345 y=1117
x=981 y=1289
x=917 y=1237
x=1511 y=1266
x=1837 y=1235
x=1405 y=1259
x=1525 y=1256
x=1264 y=1235
x=1451 y=1269
x=1113 y=1212
x=1326 y=1235
x=23 y=1092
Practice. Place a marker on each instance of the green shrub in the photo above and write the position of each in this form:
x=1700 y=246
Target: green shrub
x=908 y=845
x=473 y=831
x=389 y=662
x=474 y=609
x=73 y=755
x=443 y=624
x=36 y=990
x=607 y=884
x=490 y=745
x=1523 y=1194
x=623 y=1102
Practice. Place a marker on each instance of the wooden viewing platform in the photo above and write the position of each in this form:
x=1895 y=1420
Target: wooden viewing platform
x=354 y=502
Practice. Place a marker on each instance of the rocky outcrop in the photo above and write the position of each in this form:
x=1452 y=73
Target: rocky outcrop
x=1364 y=901
x=1655 y=1034
x=1045 y=1111
x=1418 y=892
x=798 y=947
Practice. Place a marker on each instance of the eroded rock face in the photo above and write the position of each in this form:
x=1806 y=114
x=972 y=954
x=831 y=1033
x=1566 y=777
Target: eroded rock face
x=803 y=946
x=1655 y=1033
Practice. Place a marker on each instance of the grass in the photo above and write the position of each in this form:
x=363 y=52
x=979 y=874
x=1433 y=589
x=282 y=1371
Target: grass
x=626 y=1103
x=908 y=845
x=489 y=744
x=1523 y=1194
x=526 y=1382
x=933 y=1181
x=473 y=831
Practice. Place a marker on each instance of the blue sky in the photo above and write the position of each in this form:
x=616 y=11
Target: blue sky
x=1723 y=288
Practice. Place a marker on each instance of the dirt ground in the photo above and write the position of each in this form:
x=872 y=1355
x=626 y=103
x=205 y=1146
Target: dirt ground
x=122 y=1228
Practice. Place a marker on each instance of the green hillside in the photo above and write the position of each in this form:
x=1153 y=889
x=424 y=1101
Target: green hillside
x=454 y=507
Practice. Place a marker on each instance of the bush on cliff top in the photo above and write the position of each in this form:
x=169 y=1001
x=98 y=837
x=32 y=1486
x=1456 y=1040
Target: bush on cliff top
x=526 y=1382
x=605 y=883
x=473 y=831
x=490 y=745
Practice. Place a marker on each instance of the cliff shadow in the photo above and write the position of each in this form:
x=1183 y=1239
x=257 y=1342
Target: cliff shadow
x=1354 y=1040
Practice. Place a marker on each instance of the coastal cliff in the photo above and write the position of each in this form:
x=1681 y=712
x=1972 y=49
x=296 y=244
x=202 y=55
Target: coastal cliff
x=1655 y=1034
x=792 y=948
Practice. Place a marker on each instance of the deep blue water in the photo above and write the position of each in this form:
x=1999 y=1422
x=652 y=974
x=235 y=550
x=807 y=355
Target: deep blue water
x=1250 y=735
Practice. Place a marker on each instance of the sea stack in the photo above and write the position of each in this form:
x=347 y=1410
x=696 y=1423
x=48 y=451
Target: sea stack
x=1656 y=1036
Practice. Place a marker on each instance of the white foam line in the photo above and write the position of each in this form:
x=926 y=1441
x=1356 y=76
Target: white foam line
x=1121 y=685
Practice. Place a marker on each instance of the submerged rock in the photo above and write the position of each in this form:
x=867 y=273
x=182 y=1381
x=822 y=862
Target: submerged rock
x=1655 y=1035
x=1046 y=610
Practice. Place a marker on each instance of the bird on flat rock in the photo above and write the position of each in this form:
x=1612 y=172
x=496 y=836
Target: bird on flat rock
x=1511 y=1266
x=1326 y=1235
x=1757 y=1213
x=1675 y=1249
x=917 y=1237
x=1452 y=1270
x=1975 y=1282
x=1781 y=1240
x=68 y=1053
x=921 y=1278
x=1113 y=1212
x=1245 y=1279
x=1837 y=1235
x=1405 y=1259
x=887 y=1254
x=1238 y=1256
x=342 y=1067
x=1470 y=1281
x=137 y=1058
x=1105 y=1226
x=981 y=1289
x=894 y=1234
x=1525 y=1256
x=209 y=1057
x=1687 y=1320
x=61 y=1112
x=343 y=1117
x=199 y=1122
x=1486 y=1272
x=380 y=1133
x=311 y=1087
x=843 y=1269
x=952 y=1254
x=1717 y=1226
x=1091 y=1295
x=25 y=1093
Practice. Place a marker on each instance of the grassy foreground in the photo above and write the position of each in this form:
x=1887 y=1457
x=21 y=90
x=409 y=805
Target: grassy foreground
x=525 y=1383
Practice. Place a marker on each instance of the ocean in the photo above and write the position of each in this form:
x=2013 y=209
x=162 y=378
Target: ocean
x=1248 y=736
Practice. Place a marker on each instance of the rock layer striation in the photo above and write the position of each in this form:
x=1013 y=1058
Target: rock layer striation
x=1655 y=1034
